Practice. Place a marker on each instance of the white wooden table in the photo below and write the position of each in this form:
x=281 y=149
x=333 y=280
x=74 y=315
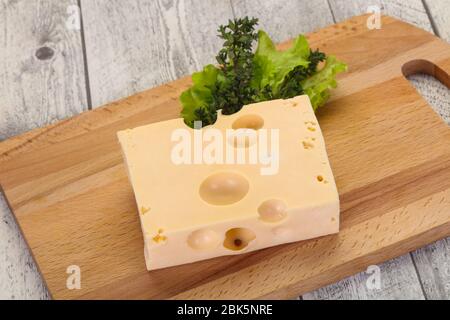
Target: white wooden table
x=52 y=67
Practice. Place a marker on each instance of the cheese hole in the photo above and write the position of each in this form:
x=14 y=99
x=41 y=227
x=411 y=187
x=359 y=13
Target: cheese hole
x=308 y=145
x=320 y=178
x=238 y=238
x=159 y=237
x=224 y=188
x=248 y=121
x=203 y=239
x=272 y=210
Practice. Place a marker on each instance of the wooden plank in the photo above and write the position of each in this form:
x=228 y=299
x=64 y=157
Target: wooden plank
x=41 y=66
x=398 y=281
x=41 y=81
x=409 y=11
x=135 y=45
x=19 y=277
x=433 y=265
x=406 y=276
x=439 y=11
x=394 y=196
x=285 y=19
x=435 y=93
x=433 y=262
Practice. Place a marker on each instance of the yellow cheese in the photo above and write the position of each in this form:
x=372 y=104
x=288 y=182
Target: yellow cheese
x=200 y=202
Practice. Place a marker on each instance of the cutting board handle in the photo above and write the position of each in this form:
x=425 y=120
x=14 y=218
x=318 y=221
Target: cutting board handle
x=440 y=72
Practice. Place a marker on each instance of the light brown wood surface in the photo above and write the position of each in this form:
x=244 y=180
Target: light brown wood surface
x=42 y=80
x=390 y=154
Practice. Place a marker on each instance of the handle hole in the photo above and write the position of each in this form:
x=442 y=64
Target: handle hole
x=432 y=83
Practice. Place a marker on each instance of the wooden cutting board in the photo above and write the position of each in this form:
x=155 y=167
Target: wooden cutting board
x=390 y=153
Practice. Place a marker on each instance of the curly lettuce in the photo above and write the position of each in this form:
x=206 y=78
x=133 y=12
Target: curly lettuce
x=244 y=77
x=318 y=86
x=198 y=100
x=272 y=66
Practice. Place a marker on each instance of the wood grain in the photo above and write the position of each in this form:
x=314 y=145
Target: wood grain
x=37 y=87
x=433 y=95
x=438 y=96
x=74 y=203
x=411 y=11
x=438 y=11
x=415 y=13
x=34 y=92
x=138 y=44
x=287 y=19
x=398 y=277
x=433 y=264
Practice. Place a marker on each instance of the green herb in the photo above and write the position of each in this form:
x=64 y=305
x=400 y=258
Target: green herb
x=236 y=64
x=244 y=77
x=291 y=85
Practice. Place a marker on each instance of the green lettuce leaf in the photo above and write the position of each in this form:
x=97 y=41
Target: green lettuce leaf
x=198 y=99
x=264 y=75
x=272 y=66
x=318 y=86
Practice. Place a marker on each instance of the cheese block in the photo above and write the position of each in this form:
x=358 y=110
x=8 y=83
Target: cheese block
x=255 y=179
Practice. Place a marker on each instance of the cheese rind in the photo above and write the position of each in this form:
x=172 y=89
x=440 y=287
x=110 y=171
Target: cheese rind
x=192 y=212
